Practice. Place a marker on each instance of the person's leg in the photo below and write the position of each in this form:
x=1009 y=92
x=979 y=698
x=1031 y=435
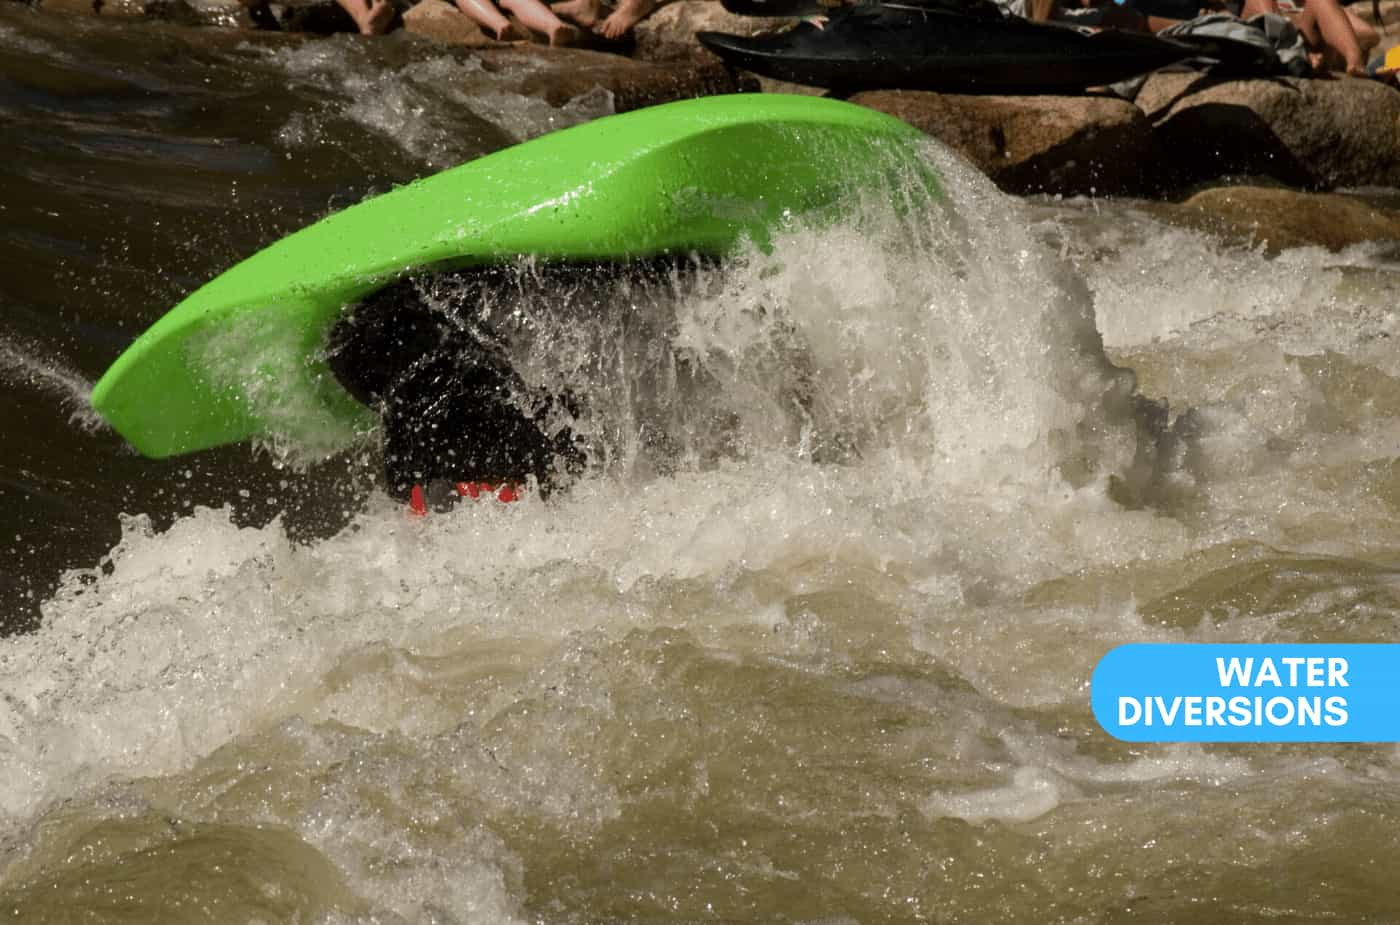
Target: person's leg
x=372 y=17
x=1339 y=45
x=537 y=16
x=627 y=15
x=1365 y=33
x=489 y=18
x=583 y=12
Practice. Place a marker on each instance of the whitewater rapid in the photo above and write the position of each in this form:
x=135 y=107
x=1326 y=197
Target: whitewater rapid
x=815 y=659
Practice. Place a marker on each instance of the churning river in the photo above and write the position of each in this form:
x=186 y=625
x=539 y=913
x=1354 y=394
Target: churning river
x=819 y=660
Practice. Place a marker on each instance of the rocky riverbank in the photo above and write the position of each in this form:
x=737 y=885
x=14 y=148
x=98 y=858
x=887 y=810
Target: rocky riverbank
x=1299 y=138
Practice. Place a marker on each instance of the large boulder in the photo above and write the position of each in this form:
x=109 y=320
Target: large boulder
x=669 y=33
x=1314 y=134
x=1279 y=219
x=443 y=22
x=1089 y=145
x=558 y=75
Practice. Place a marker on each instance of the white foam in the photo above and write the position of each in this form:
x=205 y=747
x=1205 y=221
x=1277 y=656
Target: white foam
x=962 y=513
x=418 y=106
x=1032 y=793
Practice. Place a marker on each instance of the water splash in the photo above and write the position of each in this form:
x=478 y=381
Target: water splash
x=22 y=366
x=433 y=109
x=690 y=690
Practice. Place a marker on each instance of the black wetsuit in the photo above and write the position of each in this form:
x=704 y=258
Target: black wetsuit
x=453 y=408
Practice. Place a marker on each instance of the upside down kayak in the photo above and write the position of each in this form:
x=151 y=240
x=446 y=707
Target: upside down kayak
x=246 y=354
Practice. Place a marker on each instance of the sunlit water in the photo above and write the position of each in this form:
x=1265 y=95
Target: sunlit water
x=809 y=641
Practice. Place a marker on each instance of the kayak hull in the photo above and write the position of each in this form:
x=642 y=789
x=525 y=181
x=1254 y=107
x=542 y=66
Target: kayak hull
x=243 y=356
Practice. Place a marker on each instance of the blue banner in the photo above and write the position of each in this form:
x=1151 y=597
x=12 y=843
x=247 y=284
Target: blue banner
x=1191 y=692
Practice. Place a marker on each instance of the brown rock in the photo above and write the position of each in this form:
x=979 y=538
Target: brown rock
x=128 y=8
x=84 y=7
x=772 y=85
x=1037 y=144
x=227 y=13
x=1281 y=218
x=669 y=33
x=562 y=74
x=443 y=22
x=1315 y=134
x=322 y=17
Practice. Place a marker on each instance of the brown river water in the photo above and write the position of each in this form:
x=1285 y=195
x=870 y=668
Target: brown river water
x=822 y=662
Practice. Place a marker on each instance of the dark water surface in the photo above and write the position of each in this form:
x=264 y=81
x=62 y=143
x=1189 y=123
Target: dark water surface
x=141 y=161
x=812 y=645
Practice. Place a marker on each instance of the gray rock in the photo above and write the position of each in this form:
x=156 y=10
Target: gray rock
x=443 y=22
x=1313 y=134
x=1280 y=218
x=562 y=74
x=1038 y=144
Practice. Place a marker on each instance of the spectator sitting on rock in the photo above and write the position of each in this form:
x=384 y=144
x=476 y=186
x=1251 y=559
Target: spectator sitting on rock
x=373 y=17
x=1336 y=38
x=618 y=23
x=534 y=14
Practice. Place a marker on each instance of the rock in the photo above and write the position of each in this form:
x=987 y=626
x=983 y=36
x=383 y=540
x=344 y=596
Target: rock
x=323 y=17
x=84 y=7
x=1281 y=218
x=669 y=33
x=127 y=8
x=183 y=12
x=226 y=13
x=770 y=85
x=443 y=22
x=1315 y=134
x=558 y=75
x=1038 y=144
x=1164 y=88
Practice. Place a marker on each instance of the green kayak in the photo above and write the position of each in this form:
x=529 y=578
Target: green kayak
x=242 y=357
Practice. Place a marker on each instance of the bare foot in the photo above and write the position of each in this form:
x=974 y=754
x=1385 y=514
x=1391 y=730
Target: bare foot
x=509 y=33
x=381 y=13
x=583 y=12
x=564 y=35
x=627 y=15
x=372 y=17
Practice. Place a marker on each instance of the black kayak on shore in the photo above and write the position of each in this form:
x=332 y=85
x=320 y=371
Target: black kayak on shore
x=956 y=48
